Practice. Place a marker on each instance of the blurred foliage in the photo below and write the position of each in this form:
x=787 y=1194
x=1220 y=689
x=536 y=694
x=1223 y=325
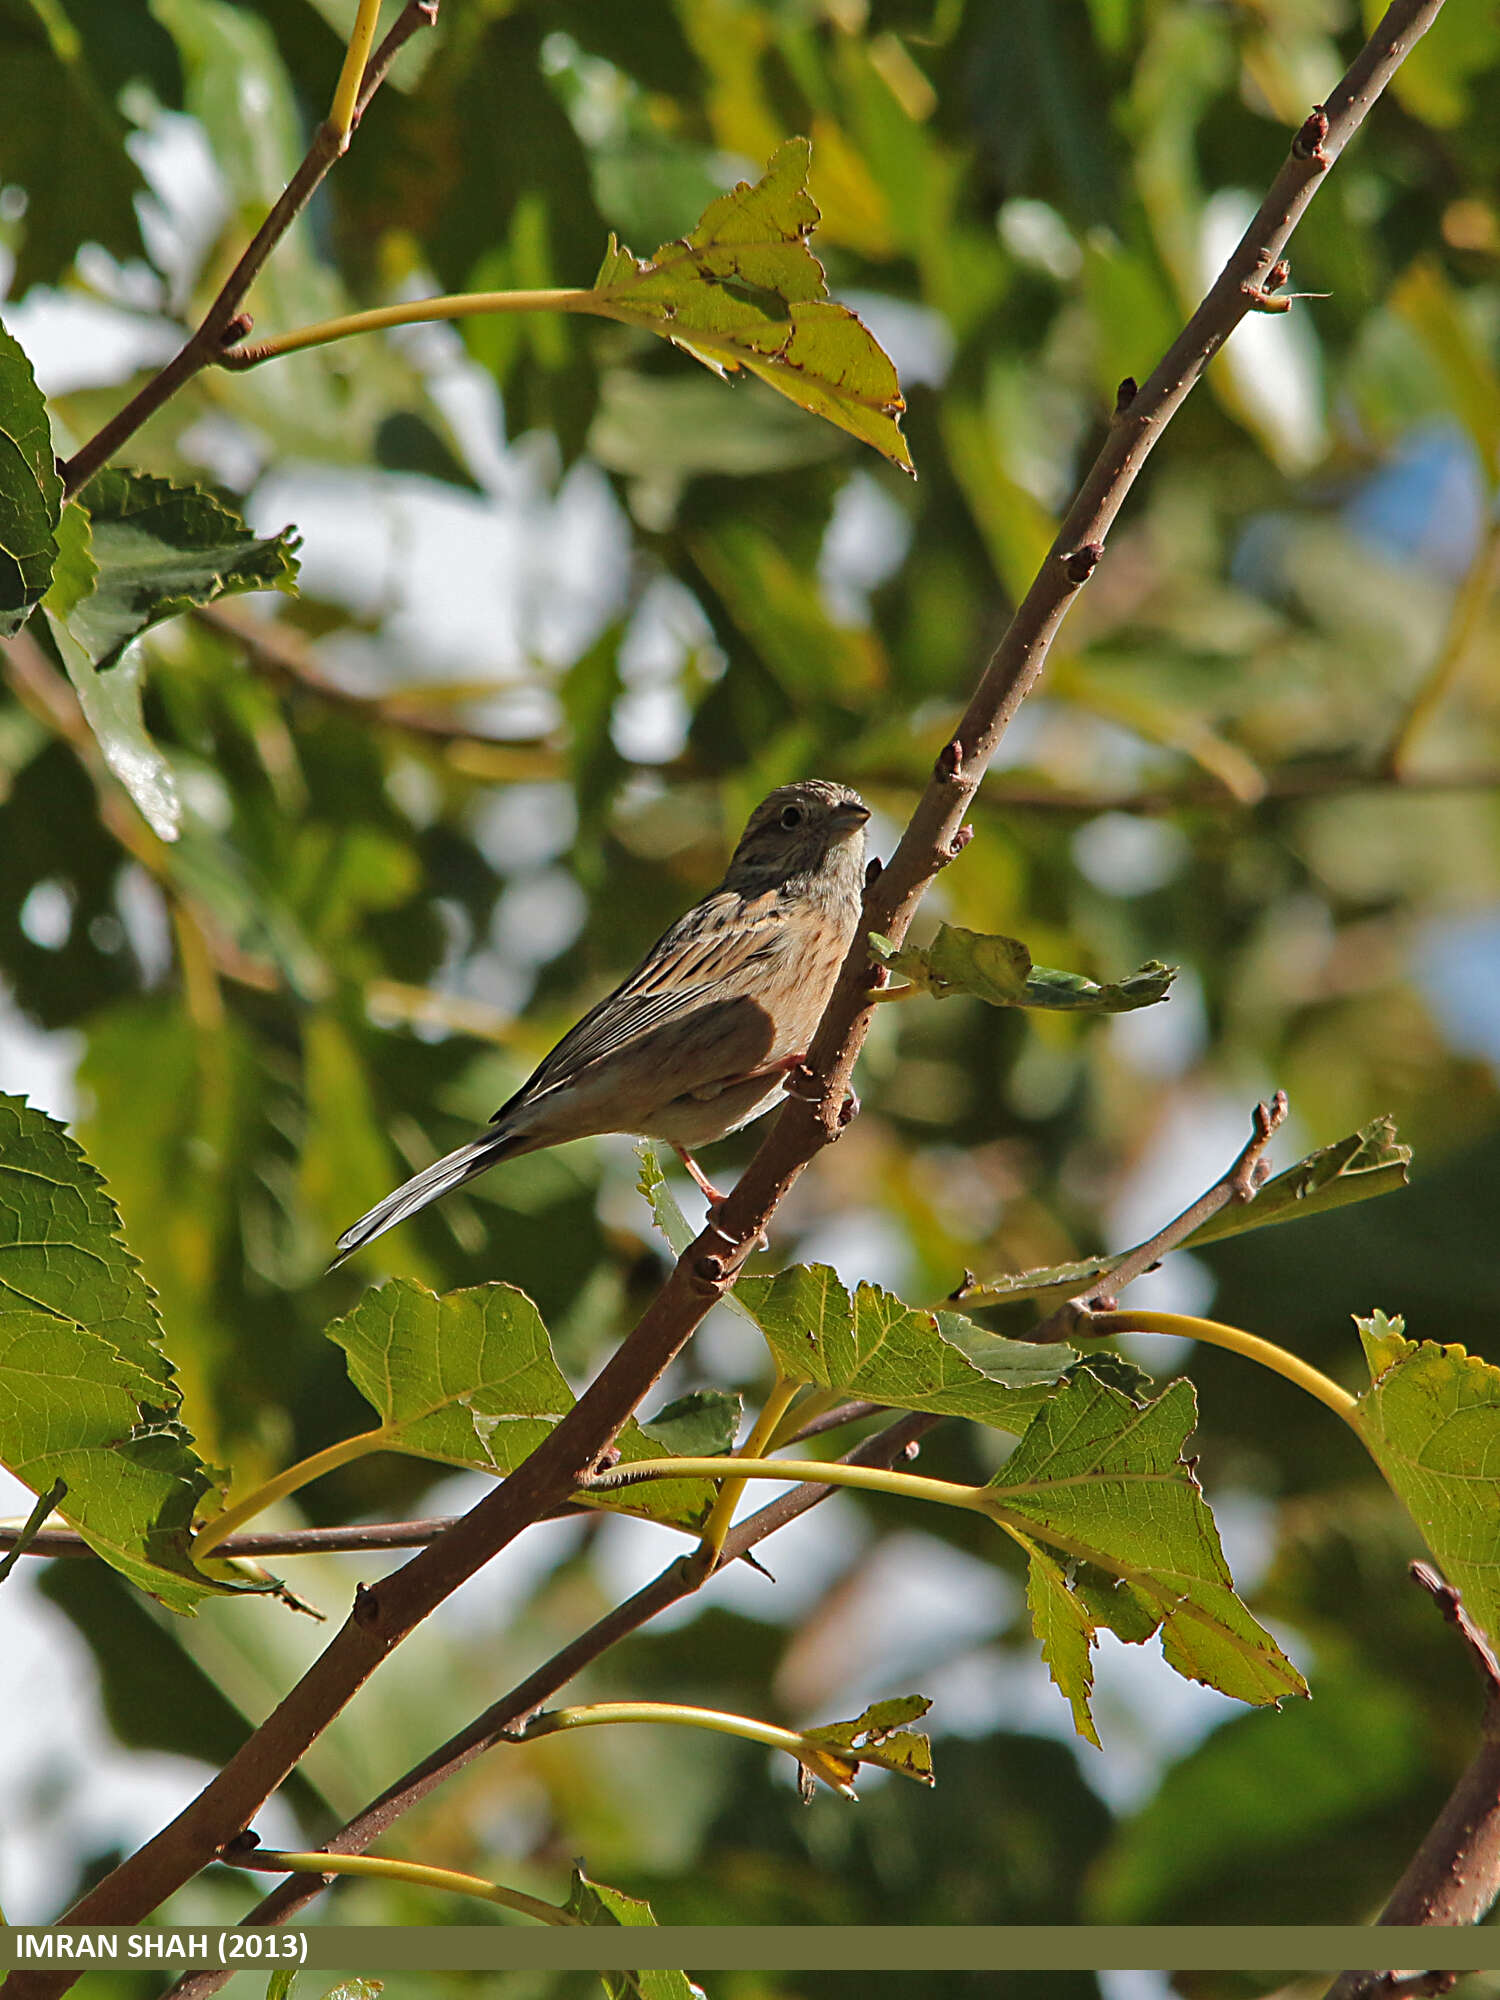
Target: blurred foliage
x=568 y=609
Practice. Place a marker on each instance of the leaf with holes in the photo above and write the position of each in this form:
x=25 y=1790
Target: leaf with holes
x=878 y=1736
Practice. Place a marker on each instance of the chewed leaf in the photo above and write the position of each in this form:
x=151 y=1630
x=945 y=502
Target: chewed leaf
x=1102 y=1482
x=1370 y=1161
x=470 y=1379
x=1000 y=970
x=86 y=1394
x=745 y=291
x=876 y=1737
x=1431 y=1419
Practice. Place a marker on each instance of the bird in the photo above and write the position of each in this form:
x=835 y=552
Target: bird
x=709 y=1028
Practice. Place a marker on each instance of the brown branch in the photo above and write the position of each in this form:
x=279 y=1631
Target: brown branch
x=1454 y=1876
x=504 y=1719
x=1238 y=1184
x=384 y=1615
x=224 y=323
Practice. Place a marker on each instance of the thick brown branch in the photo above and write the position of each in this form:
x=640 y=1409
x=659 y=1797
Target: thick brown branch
x=224 y=322
x=501 y=1722
x=1454 y=1876
x=383 y=1616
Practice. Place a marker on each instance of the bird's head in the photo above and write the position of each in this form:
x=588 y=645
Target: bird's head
x=811 y=830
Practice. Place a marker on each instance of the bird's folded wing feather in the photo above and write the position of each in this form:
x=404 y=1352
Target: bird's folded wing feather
x=722 y=950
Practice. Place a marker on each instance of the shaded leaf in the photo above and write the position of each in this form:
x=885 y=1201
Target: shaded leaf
x=1431 y=1419
x=30 y=490
x=470 y=1379
x=1370 y=1161
x=1065 y=1632
x=745 y=291
x=873 y=1347
x=1103 y=1481
x=999 y=970
x=701 y=1424
x=875 y=1737
x=161 y=548
x=86 y=1393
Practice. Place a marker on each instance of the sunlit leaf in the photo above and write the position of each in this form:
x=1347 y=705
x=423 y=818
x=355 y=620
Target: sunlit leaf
x=86 y=1393
x=596 y=1903
x=469 y=1379
x=1431 y=1418
x=874 y=1349
x=743 y=290
x=30 y=490
x=878 y=1736
x=999 y=970
x=1103 y=1481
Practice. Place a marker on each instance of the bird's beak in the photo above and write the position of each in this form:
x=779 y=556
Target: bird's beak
x=851 y=814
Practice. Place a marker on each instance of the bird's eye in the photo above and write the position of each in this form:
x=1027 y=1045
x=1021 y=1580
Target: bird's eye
x=791 y=816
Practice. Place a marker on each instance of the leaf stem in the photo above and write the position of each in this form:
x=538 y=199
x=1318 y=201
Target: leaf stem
x=756 y=1445
x=351 y=76
x=864 y=1478
x=1213 y=1333
x=813 y=1754
x=303 y=1473
x=314 y=1862
x=414 y=312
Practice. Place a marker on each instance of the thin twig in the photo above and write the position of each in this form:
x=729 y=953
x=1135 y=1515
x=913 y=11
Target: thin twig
x=1469 y=605
x=224 y=323
x=384 y=1615
x=503 y=1721
x=23 y=1539
x=1239 y=1184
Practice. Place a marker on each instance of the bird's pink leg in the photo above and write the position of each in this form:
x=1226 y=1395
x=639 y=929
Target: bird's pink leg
x=706 y=1187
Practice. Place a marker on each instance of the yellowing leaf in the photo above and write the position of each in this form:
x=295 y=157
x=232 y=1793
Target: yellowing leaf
x=745 y=291
x=1000 y=970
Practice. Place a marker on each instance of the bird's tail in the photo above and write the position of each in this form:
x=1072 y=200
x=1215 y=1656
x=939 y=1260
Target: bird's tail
x=449 y=1172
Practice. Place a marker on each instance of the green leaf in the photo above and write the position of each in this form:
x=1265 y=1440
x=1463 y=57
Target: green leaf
x=1370 y=1161
x=86 y=1394
x=878 y=1350
x=470 y=1379
x=1431 y=1419
x=1103 y=1481
x=160 y=548
x=745 y=291
x=877 y=1737
x=30 y=490
x=111 y=702
x=594 y=1903
x=701 y=1424
x=999 y=970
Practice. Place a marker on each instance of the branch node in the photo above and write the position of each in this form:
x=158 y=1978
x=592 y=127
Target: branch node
x=1267 y=295
x=1308 y=144
x=950 y=760
x=235 y=330
x=709 y=1267
x=366 y=1610
x=873 y=869
x=848 y=1110
x=1249 y=1171
x=1126 y=394
x=244 y=1842
x=1079 y=566
x=955 y=846
x=1451 y=1605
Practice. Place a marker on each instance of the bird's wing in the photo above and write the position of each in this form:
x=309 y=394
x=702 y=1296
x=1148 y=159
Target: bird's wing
x=720 y=951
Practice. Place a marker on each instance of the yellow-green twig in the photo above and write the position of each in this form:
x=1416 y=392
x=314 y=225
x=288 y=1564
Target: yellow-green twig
x=303 y=1473
x=1215 y=1334
x=717 y=1525
x=814 y=1755
x=865 y=1478
x=315 y=1863
x=352 y=75
x=416 y=312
